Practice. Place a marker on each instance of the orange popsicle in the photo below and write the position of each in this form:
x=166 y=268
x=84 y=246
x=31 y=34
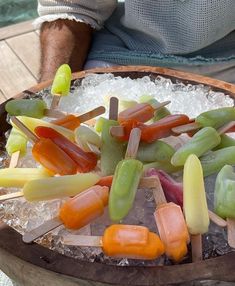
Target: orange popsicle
x=124 y=241
x=85 y=207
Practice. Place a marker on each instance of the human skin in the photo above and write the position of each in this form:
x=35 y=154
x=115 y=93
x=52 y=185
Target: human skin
x=63 y=41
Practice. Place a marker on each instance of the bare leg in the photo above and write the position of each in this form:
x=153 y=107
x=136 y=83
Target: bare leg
x=63 y=41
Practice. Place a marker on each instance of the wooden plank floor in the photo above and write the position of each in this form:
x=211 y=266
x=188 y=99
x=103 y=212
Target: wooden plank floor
x=19 y=59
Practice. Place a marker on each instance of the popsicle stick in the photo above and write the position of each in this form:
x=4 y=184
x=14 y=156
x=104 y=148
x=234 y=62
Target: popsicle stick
x=47 y=226
x=10 y=196
x=160 y=105
x=91 y=114
x=216 y=219
x=186 y=128
x=196 y=242
x=147 y=182
x=133 y=143
x=54 y=113
x=231 y=232
x=117 y=131
x=158 y=192
x=113 y=108
x=24 y=129
x=82 y=240
x=55 y=101
x=14 y=159
x=226 y=127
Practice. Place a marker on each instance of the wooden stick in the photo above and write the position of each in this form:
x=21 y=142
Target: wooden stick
x=216 y=219
x=54 y=113
x=47 y=226
x=11 y=196
x=196 y=242
x=133 y=143
x=82 y=240
x=14 y=159
x=159 y=105
x=186 y=128
x=91 y=114
x=55 y=101
x=231 y=232
x=226 y=127
x=117 y=131
x=158 y=192
x=24 y=129
x=113 y=108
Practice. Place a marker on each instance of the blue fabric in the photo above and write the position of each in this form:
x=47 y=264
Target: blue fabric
x=118 y=44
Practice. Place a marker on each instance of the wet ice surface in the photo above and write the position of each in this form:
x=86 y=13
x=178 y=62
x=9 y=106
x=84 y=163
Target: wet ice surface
x=87 y=94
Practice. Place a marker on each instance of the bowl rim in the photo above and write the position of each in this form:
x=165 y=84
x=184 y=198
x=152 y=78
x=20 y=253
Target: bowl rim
x=219 y=268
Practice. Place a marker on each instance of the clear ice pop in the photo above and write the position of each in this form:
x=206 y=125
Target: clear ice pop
x=123 y=241
x=85 y=136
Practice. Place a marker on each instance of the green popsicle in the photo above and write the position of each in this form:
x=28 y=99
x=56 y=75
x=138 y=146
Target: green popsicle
x=224 y=201
x=126 y=180
x=203 y=141
x=215 y=160
x=27 y=107
x=156 y=151
x=226 y=141
x=62 y=81
x=17 y=141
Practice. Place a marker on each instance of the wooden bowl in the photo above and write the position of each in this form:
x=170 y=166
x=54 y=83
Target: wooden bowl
x=35 y=265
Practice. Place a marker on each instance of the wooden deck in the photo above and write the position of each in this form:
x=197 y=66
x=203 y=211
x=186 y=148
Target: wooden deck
x=19 y=58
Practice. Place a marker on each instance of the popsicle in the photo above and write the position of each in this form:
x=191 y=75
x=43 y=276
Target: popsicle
x=226 y=141
x=61 y=84
x=195 y=204
x=36 y=108
x=215 y=160
x=18 y=177
x=204 y=140
x=149 y=133
x=160 y=113
x=75 y=213
x=71 y=121
x=47 y=153
x=126 y=180
x=85 y=161
x=123 y=241
x=112 y=150
x=88 y=139
x=171 y=225
x=173 y=192
x=54 y=187
x=156 y=151
x=214 y=118
x=32 y=123
x=224 y=200
x=16 y=146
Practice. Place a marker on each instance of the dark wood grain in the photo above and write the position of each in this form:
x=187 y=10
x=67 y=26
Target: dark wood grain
x=220 y=268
